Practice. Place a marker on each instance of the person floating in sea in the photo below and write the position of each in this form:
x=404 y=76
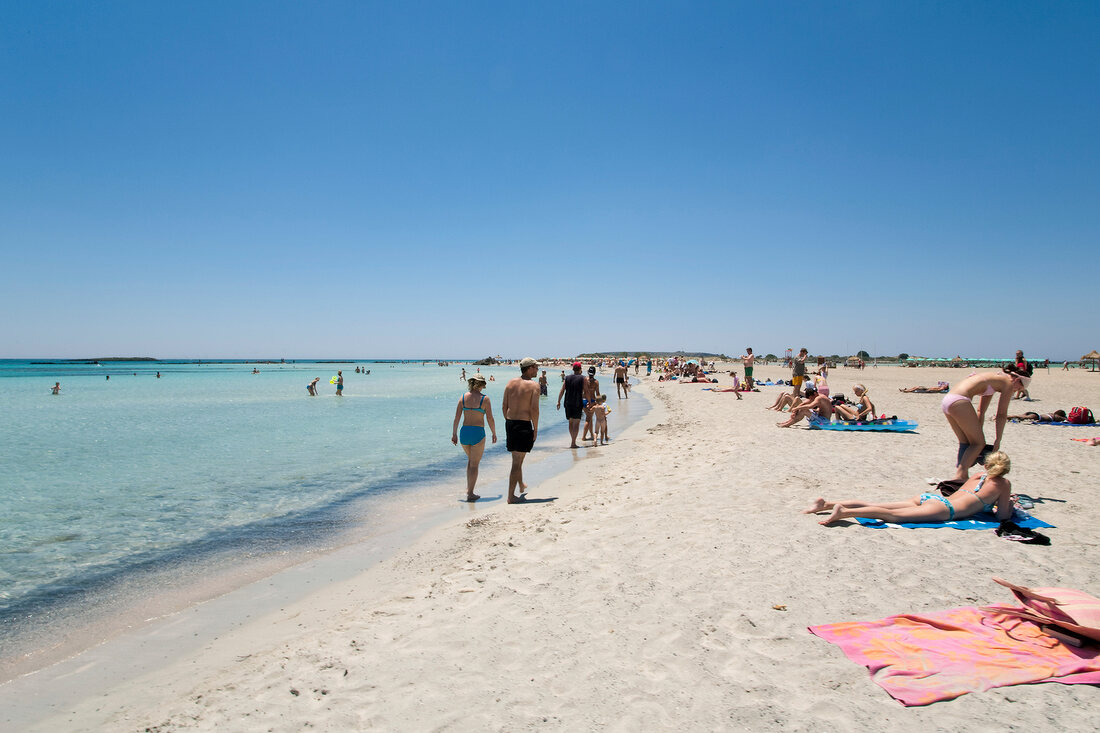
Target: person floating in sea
x=474 y=410
x=520 y=407
x=980 y=492
x=56 y=388
x=572 y=389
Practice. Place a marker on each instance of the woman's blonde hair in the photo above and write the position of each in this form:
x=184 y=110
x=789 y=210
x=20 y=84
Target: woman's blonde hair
x=475 y=380
x=997 y=464
x=862 y=390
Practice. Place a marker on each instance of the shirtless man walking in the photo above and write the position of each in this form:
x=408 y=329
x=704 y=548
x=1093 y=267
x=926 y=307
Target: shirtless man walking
x=620 y=381
x=748 y=360
x=520 y=407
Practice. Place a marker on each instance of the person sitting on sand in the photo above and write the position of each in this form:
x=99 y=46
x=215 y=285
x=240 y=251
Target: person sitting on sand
x=1056 y=416
x=863 y=410
x=967 y=423
x=474 y=411
x=940 y=387
x=786 y=400
x=817 y=405
x=980 y=492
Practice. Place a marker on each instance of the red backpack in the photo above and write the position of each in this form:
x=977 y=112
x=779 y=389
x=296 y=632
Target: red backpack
x=1080 y=416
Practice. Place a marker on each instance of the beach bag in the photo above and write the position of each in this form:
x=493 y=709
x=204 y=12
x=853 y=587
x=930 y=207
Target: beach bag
x=1080 y=416
x=1065 y=608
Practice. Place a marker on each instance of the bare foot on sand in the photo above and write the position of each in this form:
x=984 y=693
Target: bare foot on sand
x=837 y=509
x=819 y=505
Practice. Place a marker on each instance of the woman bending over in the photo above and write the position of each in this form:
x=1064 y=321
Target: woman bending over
x=980 y=492
x=967 y=422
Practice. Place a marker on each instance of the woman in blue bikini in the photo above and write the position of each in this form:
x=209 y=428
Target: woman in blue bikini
x=474 y=411
x=980 y=492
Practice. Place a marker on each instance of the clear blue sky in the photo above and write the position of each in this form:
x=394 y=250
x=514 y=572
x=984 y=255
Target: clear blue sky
x=371 y=179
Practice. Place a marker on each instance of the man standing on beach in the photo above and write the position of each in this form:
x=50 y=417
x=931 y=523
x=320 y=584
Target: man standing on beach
x=798 y=370
x=748 y=360
x=520 y=407
x=573 y=390
x=620 y=381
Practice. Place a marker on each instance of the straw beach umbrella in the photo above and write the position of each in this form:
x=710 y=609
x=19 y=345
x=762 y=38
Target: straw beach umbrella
x=1092 y=356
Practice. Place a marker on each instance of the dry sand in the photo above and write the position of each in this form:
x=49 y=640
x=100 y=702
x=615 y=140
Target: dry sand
x=644 y=597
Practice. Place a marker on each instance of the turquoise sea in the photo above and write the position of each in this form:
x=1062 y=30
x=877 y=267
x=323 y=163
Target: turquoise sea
x=138 y=477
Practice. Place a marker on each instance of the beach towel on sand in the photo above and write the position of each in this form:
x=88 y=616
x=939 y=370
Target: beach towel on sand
x=981 y=520
x=921 y=659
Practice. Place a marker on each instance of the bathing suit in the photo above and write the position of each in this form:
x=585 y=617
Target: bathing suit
x=946 y=503
x=471 y=434
x=542 y=389
x=520 y=435
x=796 y=381
x=951 y=398
x=976 y=489
x=748 y=372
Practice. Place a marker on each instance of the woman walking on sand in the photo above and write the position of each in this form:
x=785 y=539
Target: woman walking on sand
x=967 y=422
x=474 y=411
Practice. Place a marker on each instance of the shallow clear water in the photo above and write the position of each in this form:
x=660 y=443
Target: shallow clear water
x=114 y=476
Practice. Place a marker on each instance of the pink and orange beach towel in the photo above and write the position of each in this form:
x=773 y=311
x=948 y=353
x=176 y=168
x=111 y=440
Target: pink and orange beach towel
x=921 y=659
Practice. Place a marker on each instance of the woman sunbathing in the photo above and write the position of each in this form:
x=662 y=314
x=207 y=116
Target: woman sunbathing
x=1056 y=416
x=941 y=387
x=980 y=492
x=864 y=409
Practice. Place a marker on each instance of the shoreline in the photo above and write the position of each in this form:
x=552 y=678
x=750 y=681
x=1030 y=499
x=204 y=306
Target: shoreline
x=669 y=587
x=154 y=621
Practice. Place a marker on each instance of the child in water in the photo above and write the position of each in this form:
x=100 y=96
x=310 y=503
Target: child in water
x=600 y=412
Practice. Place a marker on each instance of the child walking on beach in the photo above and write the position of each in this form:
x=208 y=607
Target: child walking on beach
x=600 y=413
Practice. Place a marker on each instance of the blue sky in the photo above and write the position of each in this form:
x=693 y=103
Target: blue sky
x=246 y=179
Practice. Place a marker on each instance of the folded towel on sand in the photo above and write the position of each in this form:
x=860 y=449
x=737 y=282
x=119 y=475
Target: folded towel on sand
x=981 y=520
x=921 y=659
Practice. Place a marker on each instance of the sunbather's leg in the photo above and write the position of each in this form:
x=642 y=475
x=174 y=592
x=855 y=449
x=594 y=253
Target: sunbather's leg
x=820 y=505
x=930 y=511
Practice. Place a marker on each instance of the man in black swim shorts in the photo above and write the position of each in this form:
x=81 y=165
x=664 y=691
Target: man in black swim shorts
x=573 y=390
x=520 y=406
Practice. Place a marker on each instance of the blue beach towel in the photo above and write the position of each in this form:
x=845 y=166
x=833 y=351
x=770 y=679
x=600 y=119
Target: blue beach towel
x=1068 y=424
x=881 y=426
x=981 y=520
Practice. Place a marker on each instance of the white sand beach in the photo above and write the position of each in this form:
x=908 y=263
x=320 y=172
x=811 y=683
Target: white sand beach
x=668 y=587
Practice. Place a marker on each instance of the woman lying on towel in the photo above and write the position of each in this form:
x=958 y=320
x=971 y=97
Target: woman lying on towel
x=865 y=409
x=980 y=492
x=939 y=388
x=1056 y=416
